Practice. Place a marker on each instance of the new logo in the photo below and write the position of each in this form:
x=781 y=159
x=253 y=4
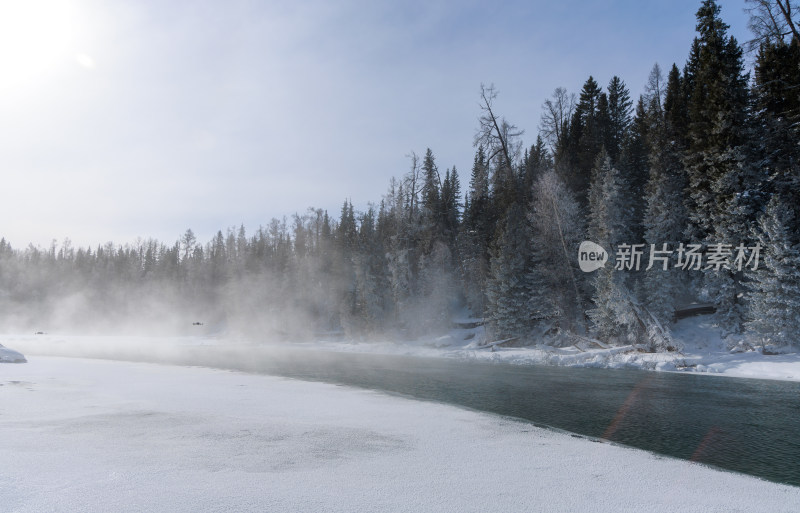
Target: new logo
x=591 y=256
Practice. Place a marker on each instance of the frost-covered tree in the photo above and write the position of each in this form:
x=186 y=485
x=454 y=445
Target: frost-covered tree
x=776 y=105
x=634 y=160
x=475 y=234
x=556 y=295
x=723 y=189
x=608 y=227
x=664 y=219
x=610 y=212
x=774 y=296
x=507 y=288
x=717 y=121
x=535 y=162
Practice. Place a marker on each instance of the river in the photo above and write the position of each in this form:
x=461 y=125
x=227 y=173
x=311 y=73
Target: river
x=744 y=425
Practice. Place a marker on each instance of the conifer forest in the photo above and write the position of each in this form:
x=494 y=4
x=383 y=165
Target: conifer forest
x=691 y=186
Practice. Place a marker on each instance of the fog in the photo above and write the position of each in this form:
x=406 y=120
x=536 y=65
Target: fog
x=322 y=279
x=221 y=354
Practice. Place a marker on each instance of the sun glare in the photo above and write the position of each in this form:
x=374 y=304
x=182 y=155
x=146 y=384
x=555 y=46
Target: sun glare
x=34 y=36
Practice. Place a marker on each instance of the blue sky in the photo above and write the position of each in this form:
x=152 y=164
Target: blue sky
x=141 y=119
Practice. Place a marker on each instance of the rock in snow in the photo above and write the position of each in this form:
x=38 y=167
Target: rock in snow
x=10 y=356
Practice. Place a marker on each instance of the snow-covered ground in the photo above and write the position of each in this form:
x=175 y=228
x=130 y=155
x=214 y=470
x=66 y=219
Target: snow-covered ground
x=102 y=436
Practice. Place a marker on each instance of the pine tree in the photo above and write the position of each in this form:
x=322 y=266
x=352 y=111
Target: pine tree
x=437 y=291
x=475 y=235
x=608 y=227
x=505 y=192
x=723 y=190
x=188 y=241
x=608 y=224
x=585 y=138
x=777 y=113
x=431 y=198
x=717 y=121
x=536 y=162
x=774 y=297
x=676 y=115
x=664 y=219
x=507 y=289
x=633 y=165
x=451 y=194
x=431 y=226
x=344 y=270
x=619 y=117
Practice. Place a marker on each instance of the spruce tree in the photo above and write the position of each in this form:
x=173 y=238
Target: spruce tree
x=717 y=121
x=619 y=117
x=432 y=218
x=344 y=269
x=633 y=165
x=774 y=297
x=676 y=115
x=507 y=289
x=608 y=223
x=664 y=219
x=776 y=102
x=475 y=234
x=608 y=227
x=722 y=184
x=585 y=138
x=451 y=194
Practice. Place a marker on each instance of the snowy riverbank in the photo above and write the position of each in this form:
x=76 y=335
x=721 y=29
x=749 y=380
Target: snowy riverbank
x=703 y=351
x=90 y=435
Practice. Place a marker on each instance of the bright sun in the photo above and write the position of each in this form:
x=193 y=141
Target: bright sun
x=34 y=36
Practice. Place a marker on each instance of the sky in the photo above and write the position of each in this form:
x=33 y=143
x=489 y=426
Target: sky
x=125 y=119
